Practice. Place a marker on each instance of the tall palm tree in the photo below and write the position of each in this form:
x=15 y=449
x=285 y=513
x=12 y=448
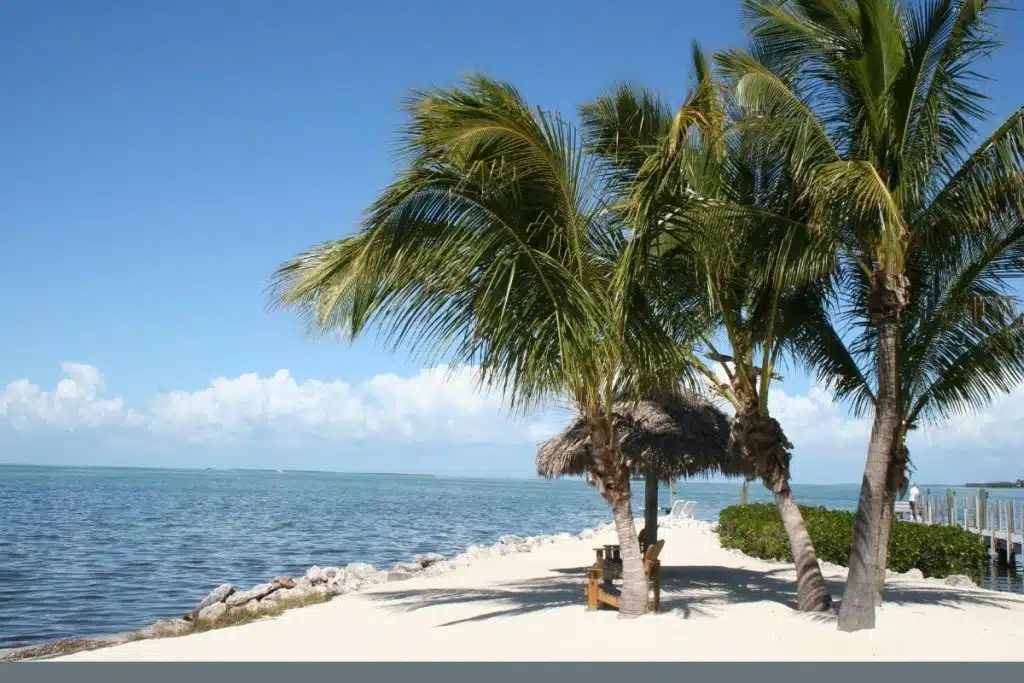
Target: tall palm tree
x=714 y=228
x=878 y=104
x=961 y=344
x=495 y=247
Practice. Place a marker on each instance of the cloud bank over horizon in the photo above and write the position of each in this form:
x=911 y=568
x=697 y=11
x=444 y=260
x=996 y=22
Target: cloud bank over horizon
x=436 y=420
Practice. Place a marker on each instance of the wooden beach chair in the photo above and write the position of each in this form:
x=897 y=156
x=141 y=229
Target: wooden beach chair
x=599 y=590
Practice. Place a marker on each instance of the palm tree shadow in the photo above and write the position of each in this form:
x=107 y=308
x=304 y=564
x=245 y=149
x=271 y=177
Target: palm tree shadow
x=687 y=591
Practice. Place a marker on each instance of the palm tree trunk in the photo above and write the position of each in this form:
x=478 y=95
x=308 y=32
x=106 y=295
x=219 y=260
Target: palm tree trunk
x=895 y=483
x=882 y=558
x=613 y=484
x=651 y=483
x=811 y=593
x=766 y=449
x=857 y=611
x=633 y=600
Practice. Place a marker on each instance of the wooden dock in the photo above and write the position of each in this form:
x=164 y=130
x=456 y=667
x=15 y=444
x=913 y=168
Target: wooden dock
x=999 y=523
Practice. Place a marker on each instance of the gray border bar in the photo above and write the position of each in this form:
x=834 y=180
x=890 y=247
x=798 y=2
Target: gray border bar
x=518 y=672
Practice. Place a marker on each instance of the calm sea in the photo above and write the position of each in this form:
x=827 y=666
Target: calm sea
x=94 y=551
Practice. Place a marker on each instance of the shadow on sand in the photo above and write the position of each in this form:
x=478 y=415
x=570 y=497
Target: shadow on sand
x=686 y=592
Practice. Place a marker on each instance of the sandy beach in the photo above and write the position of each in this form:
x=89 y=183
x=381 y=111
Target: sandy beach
x=716 y=605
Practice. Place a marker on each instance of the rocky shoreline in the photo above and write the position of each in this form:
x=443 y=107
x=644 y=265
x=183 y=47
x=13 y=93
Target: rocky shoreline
x=228 y=605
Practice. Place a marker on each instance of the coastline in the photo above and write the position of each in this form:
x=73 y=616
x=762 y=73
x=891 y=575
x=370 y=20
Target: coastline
x=526 y=591
x=422 y=565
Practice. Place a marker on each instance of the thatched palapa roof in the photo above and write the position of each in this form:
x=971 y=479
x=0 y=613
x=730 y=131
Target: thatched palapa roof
x=683 y=437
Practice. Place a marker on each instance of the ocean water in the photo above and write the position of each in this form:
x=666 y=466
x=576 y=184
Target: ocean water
x=94 y=551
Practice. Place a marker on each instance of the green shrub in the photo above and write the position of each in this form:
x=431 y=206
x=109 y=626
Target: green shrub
x=938 y=551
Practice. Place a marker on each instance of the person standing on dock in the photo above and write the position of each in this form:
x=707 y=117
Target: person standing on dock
x=915 y=494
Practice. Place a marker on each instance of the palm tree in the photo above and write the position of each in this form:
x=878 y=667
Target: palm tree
x=961 y=343
x=495 y=248
x=714 y=229
x=876 y=102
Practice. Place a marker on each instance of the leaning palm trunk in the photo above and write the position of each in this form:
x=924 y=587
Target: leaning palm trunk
x=889 y=295
x=767 y=450
x=612 y=478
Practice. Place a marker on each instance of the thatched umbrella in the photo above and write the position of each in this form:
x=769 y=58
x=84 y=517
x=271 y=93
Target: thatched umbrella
x=686 y=436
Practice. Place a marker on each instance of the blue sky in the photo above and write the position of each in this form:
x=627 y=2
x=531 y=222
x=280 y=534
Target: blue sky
x=160 y=159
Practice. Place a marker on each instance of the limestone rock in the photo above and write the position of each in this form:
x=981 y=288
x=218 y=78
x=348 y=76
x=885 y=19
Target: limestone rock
x=212 y=612
x=427 y=559
x=284 y=581
x=287 y=594
x=337 y=585
x=511 y=540
x=914 y=573
x=960 y=581
x=328 y=573
x=165 y=628
x=407 y=567
x=304 y=584
x=218 y=594
x=314 y=574
x=254 y=593
x=252 y=607
x=360 y=570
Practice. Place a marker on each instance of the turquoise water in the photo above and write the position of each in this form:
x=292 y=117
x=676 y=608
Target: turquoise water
x=92 y=551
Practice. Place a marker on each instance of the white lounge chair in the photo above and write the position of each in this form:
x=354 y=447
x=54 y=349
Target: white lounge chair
x=681 y=513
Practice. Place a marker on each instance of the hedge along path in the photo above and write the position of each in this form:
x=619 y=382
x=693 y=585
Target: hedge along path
x=937 y=551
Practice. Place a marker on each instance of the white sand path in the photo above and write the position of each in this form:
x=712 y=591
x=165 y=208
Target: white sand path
x=717 y=605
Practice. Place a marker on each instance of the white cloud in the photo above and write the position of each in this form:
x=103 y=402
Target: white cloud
x=444 y=406
x=440 y=403
x=74 y=403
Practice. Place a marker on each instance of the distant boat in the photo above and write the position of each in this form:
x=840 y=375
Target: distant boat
x=280 y=471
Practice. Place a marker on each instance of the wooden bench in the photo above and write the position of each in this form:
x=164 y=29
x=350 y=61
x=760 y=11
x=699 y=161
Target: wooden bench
x=599 y=590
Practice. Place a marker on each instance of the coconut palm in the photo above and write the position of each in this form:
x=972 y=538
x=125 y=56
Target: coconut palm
x=876 y=102
x=494 y=247
x=961 y=344
x=718 y=231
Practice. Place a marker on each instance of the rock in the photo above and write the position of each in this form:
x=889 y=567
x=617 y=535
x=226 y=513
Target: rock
x=319 y=590
x=252 y=607
x=212 y=612
x=360 y=570
x=337 y=585
x=960 y=581
x=289 y=594
x=314 y=574
x=165 y=628
x=397 y=576
x=304 y=584
x=427 y=559
x=407 y=567
x=218 y=594
x=269 y=603
x=328 y=573
x=284 y=581
x=440 y=568
x=254 y=593
x=914 y=573
x=511 y=540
